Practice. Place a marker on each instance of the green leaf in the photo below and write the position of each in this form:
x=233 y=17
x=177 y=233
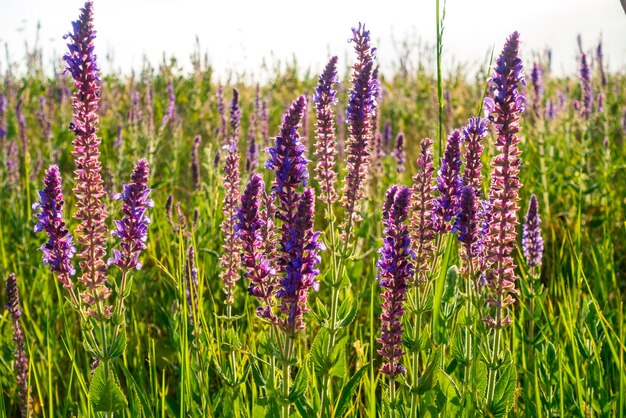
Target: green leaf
x=437 y=325
x=304 y=408
x=429 y=379
x=347 y=392
x=347 y=312
x=451 y=393
x=338 y=358
x=318 y=356
x=272 y=410
x=257 y=375
x=118 y=347
x=299 y=385
x=504 y=394
x=104 y=391
x=450 y=288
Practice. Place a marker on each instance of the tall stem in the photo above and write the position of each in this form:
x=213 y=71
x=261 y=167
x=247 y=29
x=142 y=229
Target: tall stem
x=495 y=352
x=286 y=357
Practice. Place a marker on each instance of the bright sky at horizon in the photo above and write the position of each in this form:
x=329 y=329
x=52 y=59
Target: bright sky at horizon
x=239 y=34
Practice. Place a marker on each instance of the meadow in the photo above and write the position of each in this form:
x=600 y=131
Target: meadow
x=402 y=244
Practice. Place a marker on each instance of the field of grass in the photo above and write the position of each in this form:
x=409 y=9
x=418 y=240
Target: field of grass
x=176 y=346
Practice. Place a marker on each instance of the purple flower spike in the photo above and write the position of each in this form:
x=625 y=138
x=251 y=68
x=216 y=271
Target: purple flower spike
x=395 y=269
x=59 y=250
x=249 y=230
x=537 y=82
x=399 y=153
x=300 y=255
x=252 y=153
x=132 y=229
x=3 y=120
x=532 y=242
x=359 y=117
x=467 y=222
x=387 y=135
x=422 y=208
x=473 y=135
x=287 y=158
x=91 y=233
x=449 y=184
x=325 y=98
x=587 y=89
x=195 y=162
x=170 y=112
x=505 y=107
x=600 y=60
x=235 y=117
x=21 y=359
x=231 y=259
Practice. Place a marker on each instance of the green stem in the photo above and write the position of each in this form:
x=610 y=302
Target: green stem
x=495 y=352
x=286 y=360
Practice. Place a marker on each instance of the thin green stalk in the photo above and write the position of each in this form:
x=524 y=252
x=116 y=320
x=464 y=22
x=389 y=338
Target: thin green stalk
x=287 y=353
x=495 y=352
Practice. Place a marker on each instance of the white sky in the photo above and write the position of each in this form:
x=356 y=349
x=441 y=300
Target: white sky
x=238 y=34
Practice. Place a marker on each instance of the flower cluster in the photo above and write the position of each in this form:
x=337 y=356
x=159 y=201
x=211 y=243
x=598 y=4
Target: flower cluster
x=448 y=184
x=473 y=135
x=399 y=153
x=467 y=222
x=395 y=268
x=532 y=242
x=537 y=82
x=505 y=108
x=59 y=250
x=587 y=89
x=195 y=162
x=422 y=211
x=91 y=233
x=359 y=114
x=132 y=229
x=249 y=230
x=325 y=98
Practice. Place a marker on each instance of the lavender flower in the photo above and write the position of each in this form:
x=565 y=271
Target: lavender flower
x=59 y=250
x=268 y=230
x=21 y=122
x=252 y=154
x=448 y=184
x=473 y=135
x=235 y=118
x=230 y=260
x=587 y=89
x=133 y=228
x=21 y=359
x=467 y=223
x=399 y=154
x=12 y=164
x=170 y=112
x=532 y=242
x=3 y=120
x=505 y=108
x=195 y=162
x=537 y=82
x=44 y=121
x=422 y=209
x=325 y=98
x=249 y=230
x=551 y=110
x=395 y=268
x=300 y=254
x=600 y=59
x=387 y=135
x=359 y=115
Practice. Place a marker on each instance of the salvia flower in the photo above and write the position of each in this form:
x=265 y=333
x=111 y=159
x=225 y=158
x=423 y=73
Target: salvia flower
x=59 y=250
x=299 y=257
x=252 y=153
x=235 y=118
x=532 y=242
x=600 y=60
x=13 y=164
x=537 y=82
x=132 y=229
x=387 y=135
x=448 y=184
x=505 y=107
x=170 y=112
x=395 y=269
x=359 y=114
x=399 y=153
x=325 y=98
x=422 y=211
x=91 y=233
x=21 y=359
x=195 y=162
x=587 y=89
x=3 y=120
x=467 y=222
x=42 y=118
x=473 y=135
x=287 y=159
x=230 y=260
x=249 y=229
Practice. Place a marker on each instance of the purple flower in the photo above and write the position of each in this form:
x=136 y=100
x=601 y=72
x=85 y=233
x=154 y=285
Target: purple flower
x=195 y=162
x=395 y=269
x=44 y=121
x=299 y=256
x=532 y=242
x=287 y=159
x=230 y=260
x=3 y=120
x=21 y=359
x=132 y=229
x=359 y=117
x=21 y=122
x=449 y=184
x=387 y=135
x=235 y=118
x=252 y=153
x=467 y=222
x=249 y=229
x=13 y=164
x=422 y=209
x=587 y=89
x=600 y=59
x=325 y=98
x=537 y=82
x=170 y=112
x=505 y=106
x=473 y=135
x=91 y=233
x=399 y=154
x=59 y=250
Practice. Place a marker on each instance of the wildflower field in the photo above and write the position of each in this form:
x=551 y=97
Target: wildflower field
x=401 y=244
